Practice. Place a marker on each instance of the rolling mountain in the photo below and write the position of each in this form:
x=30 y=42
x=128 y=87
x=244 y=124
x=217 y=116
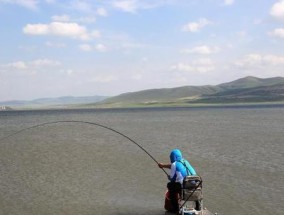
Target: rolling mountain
x=244 y=90
x=248 y=89
x=250 y=82
x=166 y=94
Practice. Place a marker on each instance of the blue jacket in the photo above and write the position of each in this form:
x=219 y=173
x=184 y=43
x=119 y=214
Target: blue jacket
x=180 y=167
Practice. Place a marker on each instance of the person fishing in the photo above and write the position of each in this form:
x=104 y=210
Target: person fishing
x=180 y=168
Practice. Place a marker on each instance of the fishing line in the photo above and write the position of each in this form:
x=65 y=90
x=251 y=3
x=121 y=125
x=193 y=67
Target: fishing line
x=85 y=122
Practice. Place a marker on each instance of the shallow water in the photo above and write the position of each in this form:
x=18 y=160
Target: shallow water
x=77 y=168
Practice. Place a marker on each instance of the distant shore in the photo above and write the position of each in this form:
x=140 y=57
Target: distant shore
x=149 y=105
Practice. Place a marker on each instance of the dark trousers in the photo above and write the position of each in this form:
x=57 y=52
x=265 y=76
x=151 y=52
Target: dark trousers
x=174 y=189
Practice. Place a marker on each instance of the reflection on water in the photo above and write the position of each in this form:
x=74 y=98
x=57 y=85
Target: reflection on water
x=81 y=169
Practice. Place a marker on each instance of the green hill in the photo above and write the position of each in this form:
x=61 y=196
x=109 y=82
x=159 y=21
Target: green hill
x=274 y=93
x=166 y=94
x=250 y=82
x=248 y=89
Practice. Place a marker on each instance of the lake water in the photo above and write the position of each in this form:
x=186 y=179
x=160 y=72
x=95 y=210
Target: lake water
x=75 y=168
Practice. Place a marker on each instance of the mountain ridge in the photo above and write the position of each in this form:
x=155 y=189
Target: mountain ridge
x=240 y=90
x=244 y=90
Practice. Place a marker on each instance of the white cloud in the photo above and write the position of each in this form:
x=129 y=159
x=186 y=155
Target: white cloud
x=16 y=65
x=278 y=32
x=101 y=48
x=72 y=30
x=88 y=48
x=87 y=19
x=103 y=79
x=126 y=5
x=61 y=18
x=85 y=47
x=95 y=34
x=258 y=60
x=196 y=26
x=29 y=67
x=183 y=67
x=204 y=50
x=55 y=44
x=44 y=62
x=102 y=12
x=66 y=18
x=229 y=2
x=202 y=65
x=30 y=4
x=264 y=65
x=277 y=10
x=132 y=6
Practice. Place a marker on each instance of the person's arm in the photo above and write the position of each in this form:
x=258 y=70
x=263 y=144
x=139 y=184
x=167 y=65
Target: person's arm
x=161 y=165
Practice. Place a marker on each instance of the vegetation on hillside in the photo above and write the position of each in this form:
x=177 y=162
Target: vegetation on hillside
x=244 y=90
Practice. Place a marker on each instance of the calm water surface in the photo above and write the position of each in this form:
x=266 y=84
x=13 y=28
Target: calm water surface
x=72 y=169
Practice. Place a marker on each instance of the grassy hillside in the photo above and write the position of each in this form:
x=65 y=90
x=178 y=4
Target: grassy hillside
x=254 y=94
x=250 y=82
x=245 y=90
x=248 y=89
x=162 y=94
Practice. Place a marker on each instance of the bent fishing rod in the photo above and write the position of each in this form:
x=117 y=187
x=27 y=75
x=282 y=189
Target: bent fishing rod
x=84 y=122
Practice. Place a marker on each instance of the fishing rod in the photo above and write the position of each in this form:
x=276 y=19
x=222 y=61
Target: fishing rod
x=85 y=122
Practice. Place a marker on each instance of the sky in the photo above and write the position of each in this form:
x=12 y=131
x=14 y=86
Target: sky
x=53 y=48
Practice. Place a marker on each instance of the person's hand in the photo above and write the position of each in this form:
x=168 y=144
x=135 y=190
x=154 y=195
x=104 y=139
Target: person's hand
x=160 y=165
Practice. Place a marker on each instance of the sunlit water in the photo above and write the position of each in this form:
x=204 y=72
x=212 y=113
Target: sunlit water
x=72 y=169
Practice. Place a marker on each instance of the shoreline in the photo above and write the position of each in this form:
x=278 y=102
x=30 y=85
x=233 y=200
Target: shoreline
x=149 y=106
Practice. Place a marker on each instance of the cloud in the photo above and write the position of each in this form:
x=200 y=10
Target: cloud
x=132 y=6
x=194 y=27
x=202 y=65
x=30 y=67
x=258 y=60
x=43 y=63
x=87 y=19
x=203 y=50
x=229 y=2
x=101 y=12
x=66 y=18
x=277 y=10
x=88 y=48
x=278 y=32
x=61 y=18
x=101 y=48
x=55 y=44
x=64 y=29
x=126 y=5
x=103 y=79
x=30 y=4
x=85 y=47
x=16 y=65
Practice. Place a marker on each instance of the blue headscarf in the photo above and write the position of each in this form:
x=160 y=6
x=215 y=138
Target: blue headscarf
x=175 y=155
